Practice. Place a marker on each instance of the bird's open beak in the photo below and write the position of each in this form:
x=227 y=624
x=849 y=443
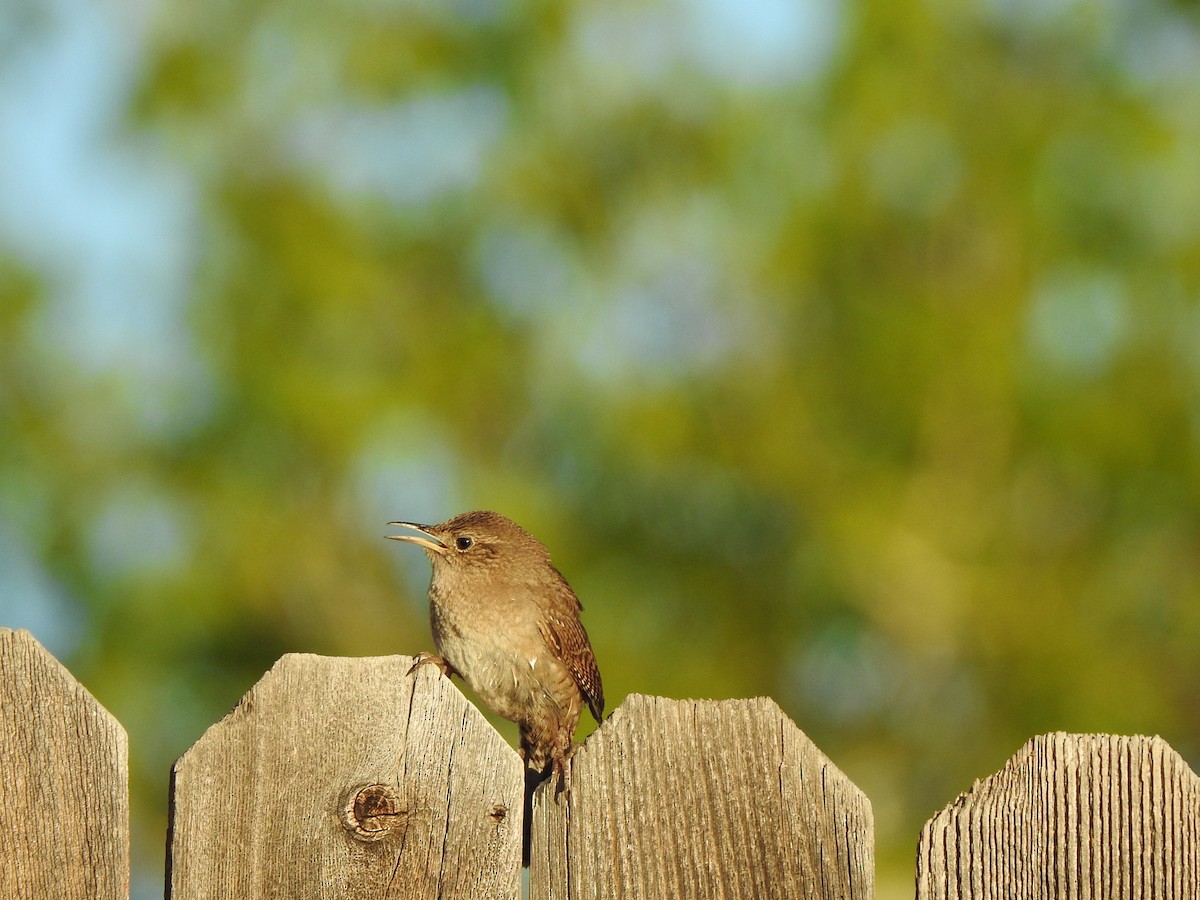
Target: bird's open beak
x=430 y=542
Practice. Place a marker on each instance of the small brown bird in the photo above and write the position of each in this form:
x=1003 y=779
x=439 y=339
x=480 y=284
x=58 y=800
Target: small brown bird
x=507 y=621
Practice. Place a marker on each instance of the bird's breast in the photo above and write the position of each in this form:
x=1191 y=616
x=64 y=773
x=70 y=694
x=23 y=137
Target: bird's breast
x=499 y=650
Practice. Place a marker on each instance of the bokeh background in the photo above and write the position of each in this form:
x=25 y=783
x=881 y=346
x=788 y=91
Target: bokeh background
x=847 y=353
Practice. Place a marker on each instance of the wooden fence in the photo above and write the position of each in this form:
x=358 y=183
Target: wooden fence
x=350 y=778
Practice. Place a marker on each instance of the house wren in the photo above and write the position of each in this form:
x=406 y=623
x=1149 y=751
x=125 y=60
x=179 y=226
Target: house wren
x=507 y=621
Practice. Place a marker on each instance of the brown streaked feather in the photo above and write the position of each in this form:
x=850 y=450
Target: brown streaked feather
x=565 y=635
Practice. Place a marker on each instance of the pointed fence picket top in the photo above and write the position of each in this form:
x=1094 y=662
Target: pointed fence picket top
x=686 y=798
x=64 y=784
x=355 y=778
x=1070 y=815
x=347 y=778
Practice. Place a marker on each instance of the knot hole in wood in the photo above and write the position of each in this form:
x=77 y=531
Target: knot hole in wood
x=373 y=811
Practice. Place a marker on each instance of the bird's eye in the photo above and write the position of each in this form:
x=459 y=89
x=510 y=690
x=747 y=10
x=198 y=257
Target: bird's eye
x=463 y=543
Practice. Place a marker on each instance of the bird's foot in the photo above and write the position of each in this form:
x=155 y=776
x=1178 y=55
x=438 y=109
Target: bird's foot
x=535 y=774
x=560 y=765
x=428 y=659
x=545 y=759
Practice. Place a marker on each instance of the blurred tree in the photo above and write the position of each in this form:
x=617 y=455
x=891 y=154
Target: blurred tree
x=846 y=354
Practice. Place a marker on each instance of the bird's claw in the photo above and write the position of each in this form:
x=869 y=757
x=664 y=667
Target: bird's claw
x=560 y=765
x=428 y=659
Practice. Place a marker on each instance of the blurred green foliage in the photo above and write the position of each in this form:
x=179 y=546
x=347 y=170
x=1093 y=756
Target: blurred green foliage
x=848 y=354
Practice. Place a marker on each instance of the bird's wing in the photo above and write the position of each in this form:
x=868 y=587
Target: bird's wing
x=565 y=635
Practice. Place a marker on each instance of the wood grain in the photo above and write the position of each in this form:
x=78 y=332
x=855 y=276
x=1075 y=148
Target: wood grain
x=347 y=778
x=1070 y=815
x=64 y=784
x=686 y=798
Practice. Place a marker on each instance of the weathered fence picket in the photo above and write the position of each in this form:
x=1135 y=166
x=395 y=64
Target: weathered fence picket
x=686 y=798
x=1071 y=815
x=64 y=791
x=357 y=778
x=347 y=778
